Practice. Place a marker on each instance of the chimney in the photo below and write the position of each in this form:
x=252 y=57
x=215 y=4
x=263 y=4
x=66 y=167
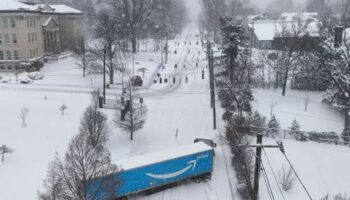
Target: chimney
x=338 y=36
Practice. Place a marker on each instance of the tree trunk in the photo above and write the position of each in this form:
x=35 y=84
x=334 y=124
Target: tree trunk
x=134 y=44
x=285 y=79
x=111 y=76
x=3 y=157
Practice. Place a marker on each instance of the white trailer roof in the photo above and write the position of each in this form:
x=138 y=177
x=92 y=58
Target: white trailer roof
x=160 y=156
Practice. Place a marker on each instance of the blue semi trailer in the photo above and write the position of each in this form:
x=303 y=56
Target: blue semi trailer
x=153 y=171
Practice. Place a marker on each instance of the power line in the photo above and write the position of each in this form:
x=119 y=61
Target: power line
x=267 y=182
x=296 y=174
x=273 y=173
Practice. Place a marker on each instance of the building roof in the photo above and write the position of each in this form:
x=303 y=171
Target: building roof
x=59 y=8
x=267 y=30
x=294 y=16
x=10 y=5
x=13 y=5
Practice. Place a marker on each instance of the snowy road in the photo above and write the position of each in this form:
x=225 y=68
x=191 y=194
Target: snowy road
x=179 y=113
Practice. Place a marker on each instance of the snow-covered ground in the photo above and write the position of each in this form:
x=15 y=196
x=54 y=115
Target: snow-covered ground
x=181 y=107
x=318 y=117
x=323 y=168
x=23 y=171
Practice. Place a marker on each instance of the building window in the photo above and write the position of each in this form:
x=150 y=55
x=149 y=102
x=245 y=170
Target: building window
x=15 y=55
x=35 y=37
x=31 y=22
x=4 y=22
x=9 y=67
x=2 y=67
x=29 y=38
x=30 y=53
x=37 y=52
x=14 y=38
x=32 y=34
x=34 y=22
x=7 y=38
x=1 y=55
x=28 y=22
x=0 y=38
x=8 y=55
x=13 y=22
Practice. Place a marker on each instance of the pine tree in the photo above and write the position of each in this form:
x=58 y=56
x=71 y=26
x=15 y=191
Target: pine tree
x=273 y=125
x=258 y=122
x=295 y=127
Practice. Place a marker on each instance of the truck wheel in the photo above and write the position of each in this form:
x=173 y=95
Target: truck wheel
x=197 y=180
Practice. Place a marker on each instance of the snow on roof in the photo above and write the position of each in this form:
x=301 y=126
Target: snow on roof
x=60 y=8
x=267 y=30
x=304 y=16
x=10 y=5
x=148 y=159
x=14 y=5
x=264 y=30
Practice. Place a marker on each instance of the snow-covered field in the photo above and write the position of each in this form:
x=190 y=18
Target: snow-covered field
x=323 y=168
x=318 y=117
x=181 y=107
x=23 y=171
x=177 y=114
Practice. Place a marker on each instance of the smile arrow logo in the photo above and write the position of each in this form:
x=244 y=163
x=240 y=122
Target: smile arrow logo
x=191 y=165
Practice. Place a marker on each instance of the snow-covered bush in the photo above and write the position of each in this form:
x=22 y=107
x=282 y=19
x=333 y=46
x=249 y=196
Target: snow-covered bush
x=63 y=108
x=339 y=196
x=258 y=123
x=287 y=179
x=23 y=115
x=273 y=126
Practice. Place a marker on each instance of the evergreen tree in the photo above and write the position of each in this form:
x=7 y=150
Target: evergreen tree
x=295 y=127
x=273 y=125
x=258 y=122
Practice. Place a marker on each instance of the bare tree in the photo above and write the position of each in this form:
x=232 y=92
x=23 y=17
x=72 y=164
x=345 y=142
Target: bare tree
x=108 y=30
x=4 y=149
x=272 y=107
x=133 y=15
x=53 y=184
x=293 y=40
x=306 y=101
x=287 y=179
x=82 y=164
x=95 y=95
x=63 y=108
x=132 y=116
x=94 y=126
x=23 y=115
x=84 y=57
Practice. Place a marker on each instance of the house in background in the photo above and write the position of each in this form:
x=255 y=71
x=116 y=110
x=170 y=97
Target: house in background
x=266 y=34
x=30 y=31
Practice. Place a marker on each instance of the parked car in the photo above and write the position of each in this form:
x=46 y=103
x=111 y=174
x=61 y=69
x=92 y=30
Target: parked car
x=136 y=81
x=35 y=76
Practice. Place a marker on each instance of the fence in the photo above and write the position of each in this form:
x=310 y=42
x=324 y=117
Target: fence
x=109 y=103
x=320 y=137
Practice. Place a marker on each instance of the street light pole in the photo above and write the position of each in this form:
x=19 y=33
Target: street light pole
x=104 y=74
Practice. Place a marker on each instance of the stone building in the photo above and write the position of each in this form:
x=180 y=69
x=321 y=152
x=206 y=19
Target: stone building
x=31 y=31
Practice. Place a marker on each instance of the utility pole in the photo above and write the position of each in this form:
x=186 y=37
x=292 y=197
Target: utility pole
x=259 y=147
x=209 y=66
x=257 y=167
x=104 y=74
x=213 y=87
